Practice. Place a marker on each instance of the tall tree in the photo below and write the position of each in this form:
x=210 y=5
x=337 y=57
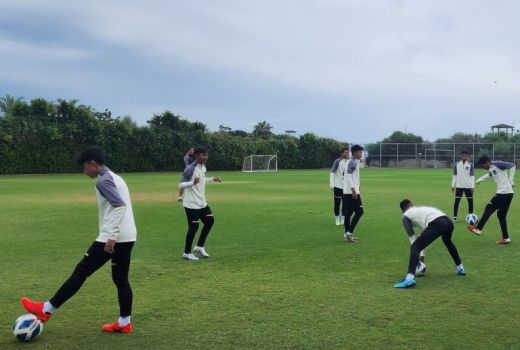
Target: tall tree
x=7 y=102
x=263 y=130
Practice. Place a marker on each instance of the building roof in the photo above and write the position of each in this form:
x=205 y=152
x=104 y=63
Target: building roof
x=502 y=126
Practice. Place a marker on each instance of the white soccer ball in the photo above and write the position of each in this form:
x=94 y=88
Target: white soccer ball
x=27 y=327
x=420 y=270
x=472 y=219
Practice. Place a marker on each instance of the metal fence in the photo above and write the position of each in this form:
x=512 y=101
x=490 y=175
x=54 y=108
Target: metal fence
x=434 y=155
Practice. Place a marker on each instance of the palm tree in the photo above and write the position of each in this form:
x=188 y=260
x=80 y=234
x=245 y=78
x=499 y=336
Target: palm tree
x=7 y=102
x=262 y=130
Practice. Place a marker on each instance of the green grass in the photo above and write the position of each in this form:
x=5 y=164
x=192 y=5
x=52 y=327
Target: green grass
x=280 y=275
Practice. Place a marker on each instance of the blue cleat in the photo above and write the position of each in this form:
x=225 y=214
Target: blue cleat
x=460 y=271
x=405 y=284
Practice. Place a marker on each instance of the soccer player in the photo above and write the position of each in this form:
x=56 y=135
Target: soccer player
x=188 y=159
x=193 y=181
x=117 y=234
x=336 y=183
x=351 y=194
x=503 y=197
x=433 y=223
x=463 y=183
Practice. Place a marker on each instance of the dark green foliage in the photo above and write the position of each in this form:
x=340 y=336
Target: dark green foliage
x=45 y=137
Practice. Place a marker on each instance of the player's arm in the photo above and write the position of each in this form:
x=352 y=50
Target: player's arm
x=408 y=228
x=512 y=171
x=454 y=178
x=107 y=189
x=472 y=177
x=482 y=178
x=187 y=178
x=332 y=172
x=349 y=179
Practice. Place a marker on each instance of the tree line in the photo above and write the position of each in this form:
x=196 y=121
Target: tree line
x=42 y=136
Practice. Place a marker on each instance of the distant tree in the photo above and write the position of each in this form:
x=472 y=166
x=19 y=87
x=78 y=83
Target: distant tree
x=402 y=137
x=240 y=133
x=262 y=130
x=460 y=137
x=7 y=102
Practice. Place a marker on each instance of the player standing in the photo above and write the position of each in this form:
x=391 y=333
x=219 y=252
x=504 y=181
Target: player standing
x=433 y=223
x=501 y=202
x=117 y=235
x=352 y=194
x=336 y=184
x=193 y=181
x=463 y=183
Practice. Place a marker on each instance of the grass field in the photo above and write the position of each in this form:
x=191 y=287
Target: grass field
x=280 y=275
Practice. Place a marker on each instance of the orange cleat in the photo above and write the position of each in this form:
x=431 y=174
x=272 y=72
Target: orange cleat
x=475 y=230
x=35 y=308
x=503 y=241
x=116 y=328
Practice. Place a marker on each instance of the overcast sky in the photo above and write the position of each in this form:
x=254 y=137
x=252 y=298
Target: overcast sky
x=352 y=70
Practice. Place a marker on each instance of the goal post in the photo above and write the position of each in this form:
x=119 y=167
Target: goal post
x=260 y=162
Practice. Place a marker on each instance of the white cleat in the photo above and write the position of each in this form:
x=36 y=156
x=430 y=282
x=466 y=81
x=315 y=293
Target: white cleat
x=338 y=222
x=201 y=251
x=350 y=238
x=189 y=256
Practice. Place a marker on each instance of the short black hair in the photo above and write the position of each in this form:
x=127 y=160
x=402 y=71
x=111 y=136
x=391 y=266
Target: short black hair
x=405 y=203
x=92 y=153
x=187 y=149
x=200 y=150
x=356 y=148
x=464 y=152
x=483 y=159
x=343 y=149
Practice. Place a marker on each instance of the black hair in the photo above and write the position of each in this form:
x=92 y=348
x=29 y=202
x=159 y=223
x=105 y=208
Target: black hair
x=343 y=149
x=483 y=159
x=356 y=148
x=92 y=153
x=405 y=203
x=464 y=152
x=200 y=150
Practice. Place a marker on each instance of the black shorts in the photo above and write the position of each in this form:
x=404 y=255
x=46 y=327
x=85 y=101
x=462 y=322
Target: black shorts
x=338 y=192
x=194 y=215
x=466 y=191
x=349 y=203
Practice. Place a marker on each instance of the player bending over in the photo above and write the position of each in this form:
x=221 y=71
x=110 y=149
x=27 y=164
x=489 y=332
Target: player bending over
x=433 y=223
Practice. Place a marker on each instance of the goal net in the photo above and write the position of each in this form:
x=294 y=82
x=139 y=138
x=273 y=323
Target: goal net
x=255 y=163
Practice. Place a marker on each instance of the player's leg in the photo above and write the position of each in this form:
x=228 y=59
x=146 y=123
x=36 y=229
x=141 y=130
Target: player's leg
x=424 y=240
x=338 y=196
x=469 y=197
x=358 y=213
x=120 y=268
x=206 y=216
x=458 y=197
x=94 y=258
x=490 y=208
x=446 y=227
x=348 y=209
x=193 y=217
x=504 y=203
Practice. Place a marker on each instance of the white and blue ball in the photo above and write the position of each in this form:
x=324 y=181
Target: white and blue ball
x=472 y=219
x=420 y=270
x=27 y=327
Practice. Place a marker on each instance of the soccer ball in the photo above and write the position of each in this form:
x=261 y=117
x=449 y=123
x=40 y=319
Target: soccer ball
x=27 y=327
x=420 y=270
x=472 y=219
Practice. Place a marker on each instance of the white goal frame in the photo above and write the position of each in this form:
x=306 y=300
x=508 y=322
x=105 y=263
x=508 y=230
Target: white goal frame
x=250 y=163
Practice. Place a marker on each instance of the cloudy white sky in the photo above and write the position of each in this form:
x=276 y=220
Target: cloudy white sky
x=352 y=70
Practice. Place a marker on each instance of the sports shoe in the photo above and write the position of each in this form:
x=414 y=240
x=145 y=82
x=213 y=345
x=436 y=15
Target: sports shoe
x=475 y=230
x=342 y=221
x=338 y=222
x=189 y=256
x=116 y=328
x=455 y=219
x=405 y=284
x=35 y=308
x=201 y=251
x=460 y=271
x=350 y=238
x=503 y=241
